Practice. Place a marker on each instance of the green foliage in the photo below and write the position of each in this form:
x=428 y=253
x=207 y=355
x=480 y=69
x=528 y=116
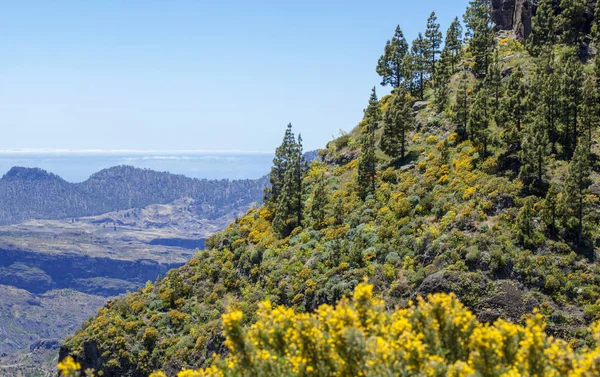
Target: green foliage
x=367 y=160
x=513 y=110
x=534 y=153
x=433 y=42
x=526 y=230
x=575 y=191
x=571 y=21
x=478 y=126
x=285 y=195
x=391 y=65
x=543 y=27
x=398 y=121
x=453 y=44
x=461 y=105
x=570 y=100
x=480 y=34
x=419 y=64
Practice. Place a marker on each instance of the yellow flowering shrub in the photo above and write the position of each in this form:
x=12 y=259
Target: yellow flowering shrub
x=436 y=336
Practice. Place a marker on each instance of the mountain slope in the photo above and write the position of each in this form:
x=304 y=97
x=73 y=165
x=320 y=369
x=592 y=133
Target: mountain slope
x=36 y=194
x=448 y=219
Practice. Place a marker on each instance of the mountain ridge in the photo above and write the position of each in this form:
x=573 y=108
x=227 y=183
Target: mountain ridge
x=33 y=193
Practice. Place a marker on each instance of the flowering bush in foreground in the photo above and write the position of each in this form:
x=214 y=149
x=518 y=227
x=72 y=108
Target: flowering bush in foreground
x=433 y=337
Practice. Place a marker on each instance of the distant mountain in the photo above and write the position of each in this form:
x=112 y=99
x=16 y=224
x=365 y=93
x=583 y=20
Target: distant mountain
x=32 y=193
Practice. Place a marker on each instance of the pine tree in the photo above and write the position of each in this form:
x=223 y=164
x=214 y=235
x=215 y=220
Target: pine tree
x=535 y=149
x=366 y=163
x=373 y=113
x=280 y=165
x=571 y=21
x=543 y=27
x=453 y=44
x=419 y=58
x=478 y=126
x=570 y=100
x=398 y=121
x=480 y=33
x=391 y=64
x=590 y=105
x=442 y=79
x=410 y=74
x=550 y=212
x=576 y=189
x=525 y=225
x=596 y=25
x=319 y=200
x=513 y=110
x=288 y=202
x=461 y=106
x=367 y=159
x=494 y=80
x=545 y=100
x=433 y=41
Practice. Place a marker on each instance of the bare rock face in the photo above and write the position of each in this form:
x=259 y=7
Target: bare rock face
x=522 y=19
x=517 y=15
x=502 y=12
x=513 y=15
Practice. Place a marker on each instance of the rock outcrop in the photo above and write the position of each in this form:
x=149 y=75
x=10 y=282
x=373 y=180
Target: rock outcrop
x=517 y=15
x=513 y=15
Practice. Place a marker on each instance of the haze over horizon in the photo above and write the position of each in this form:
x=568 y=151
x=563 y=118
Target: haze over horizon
x=193 y=75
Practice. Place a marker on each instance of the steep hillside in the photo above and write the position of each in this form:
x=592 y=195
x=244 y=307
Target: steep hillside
x=27 y=193
x=478 y=177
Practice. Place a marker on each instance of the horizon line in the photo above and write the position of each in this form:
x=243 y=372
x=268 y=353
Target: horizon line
x=66 y=151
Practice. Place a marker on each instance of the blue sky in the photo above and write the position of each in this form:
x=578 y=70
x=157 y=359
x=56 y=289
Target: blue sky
x=192 y=74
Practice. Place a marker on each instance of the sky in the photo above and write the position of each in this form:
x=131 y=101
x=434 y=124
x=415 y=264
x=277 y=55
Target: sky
x=193 y=74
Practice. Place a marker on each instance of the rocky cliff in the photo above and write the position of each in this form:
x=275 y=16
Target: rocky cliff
x=517 y=15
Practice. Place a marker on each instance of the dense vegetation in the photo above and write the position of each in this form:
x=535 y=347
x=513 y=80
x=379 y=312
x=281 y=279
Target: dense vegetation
x=482 y=188
x=35 y=194
x=434 y=337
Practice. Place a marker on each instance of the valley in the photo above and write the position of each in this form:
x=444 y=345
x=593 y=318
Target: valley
x=56 y=273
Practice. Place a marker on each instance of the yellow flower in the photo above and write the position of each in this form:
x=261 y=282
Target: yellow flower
x=69 y=367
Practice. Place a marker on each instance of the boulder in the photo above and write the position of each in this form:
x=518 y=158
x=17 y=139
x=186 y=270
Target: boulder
x=407 y=167
x=420 y=105
x=595 y=189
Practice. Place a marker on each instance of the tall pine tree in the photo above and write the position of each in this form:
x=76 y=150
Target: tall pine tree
x=398 y=121
x=442 y=80
x=288 y=173
x=572 y=21
x=576 y=188
x=535 y=149
x=280 y=165
x=513 y=110
x=543 y=27
x=570 y=100
x=478 y=126
x=419 y=58
x=319 y=200
x=433 y=42
x=453 y=44
x=461 y=106
x=480 y=33
x=391 y=64
x=494 y=80
x=590 y=105
x=367 y=160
